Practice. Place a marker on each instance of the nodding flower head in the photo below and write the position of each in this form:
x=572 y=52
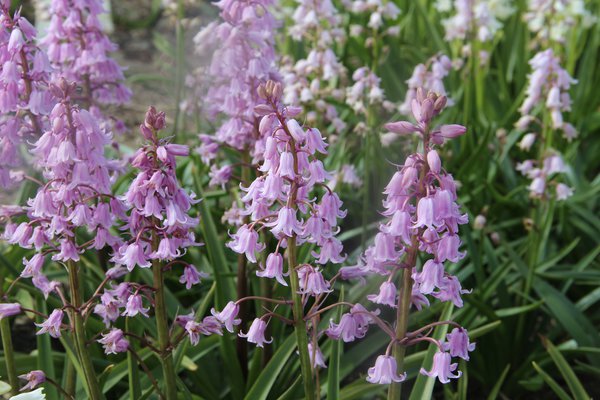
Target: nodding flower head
x=256 y=333
x=227 y=317
x=384 y=371
x=52 y=325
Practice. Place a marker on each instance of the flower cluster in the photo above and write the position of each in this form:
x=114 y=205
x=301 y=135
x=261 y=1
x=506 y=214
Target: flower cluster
x=160 y=229
x=429 y=76
x=158 y=222
x=79 y=51
x=366 y=92
x=243 y=56
x=312 y=81
x=547 y=96
x=284 y=200
x=546 y=175
x=77 y=193
x=422 y=218
x=378 y=11
x=551 y=20
x=548 y=87
x=474 y=17
x=24 y=95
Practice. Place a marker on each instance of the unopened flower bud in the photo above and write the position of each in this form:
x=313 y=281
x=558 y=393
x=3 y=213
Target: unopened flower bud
x=433 y=159
x=440 y=103
x=401 y=127
x=420 y=94
x=479 y=222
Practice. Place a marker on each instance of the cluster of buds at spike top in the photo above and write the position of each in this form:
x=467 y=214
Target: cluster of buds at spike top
x=292 y=201
x=24 y=96
x=76 y=193
x=429 y=76
x=422 y=224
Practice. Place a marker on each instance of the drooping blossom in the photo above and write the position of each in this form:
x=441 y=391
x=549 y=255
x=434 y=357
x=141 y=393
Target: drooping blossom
x=352 y=325
x=52 y=325
x=114 y=342
x=316 y=356
x=34 y=379
x=9 y=309
x=228 y=315
x=210 y=325
x=458 y=344
x=256 y=333
x=384 y=371
x=442 y=368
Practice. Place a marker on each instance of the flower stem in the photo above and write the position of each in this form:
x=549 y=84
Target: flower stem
x=93 y=387
x=160 y=313
x=402 y=318
x=299 y=324
x=9 y=357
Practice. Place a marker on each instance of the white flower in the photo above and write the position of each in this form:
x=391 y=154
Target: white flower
x=37 y=394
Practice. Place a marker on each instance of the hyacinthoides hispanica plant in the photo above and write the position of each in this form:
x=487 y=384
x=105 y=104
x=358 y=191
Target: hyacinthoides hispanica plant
x=75 y=195
x=284 y=200
x=161 y=230
x=243 y=57
x=422 y=221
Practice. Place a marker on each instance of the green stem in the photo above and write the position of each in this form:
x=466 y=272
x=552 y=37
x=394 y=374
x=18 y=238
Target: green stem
x=70 y=378
x=160 y=313
x=242 y=281
x=133 y=375
x=91 y=380
x=9 y=357
x=299 y=324
x=404 y=301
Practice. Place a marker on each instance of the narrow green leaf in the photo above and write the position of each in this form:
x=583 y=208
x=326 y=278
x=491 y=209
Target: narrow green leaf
x=567 y=372
x=510 y=311
x=423 y=388
x=261 y=388
x=333 y=373
x=551 y=382
x=498 y=385
x=132 y=370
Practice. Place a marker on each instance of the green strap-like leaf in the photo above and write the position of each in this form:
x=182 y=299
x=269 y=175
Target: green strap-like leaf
x=265 y=381
x=567 y=372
